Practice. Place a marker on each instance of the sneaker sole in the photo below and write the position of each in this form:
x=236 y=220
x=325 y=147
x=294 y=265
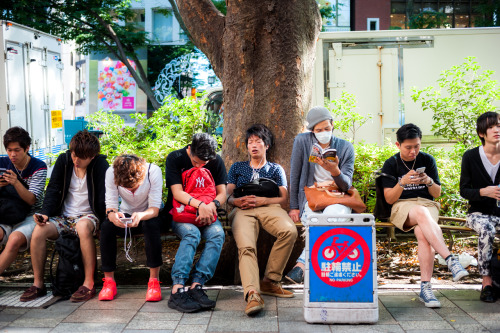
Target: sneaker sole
x=254 y=310
x=175 y=307
x=431 y=304
x=106 y=298
x=277 y=295
x=153 y=299
x=460 y=275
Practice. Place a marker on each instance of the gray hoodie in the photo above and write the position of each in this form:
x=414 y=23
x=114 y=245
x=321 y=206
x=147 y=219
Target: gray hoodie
x=302 y=171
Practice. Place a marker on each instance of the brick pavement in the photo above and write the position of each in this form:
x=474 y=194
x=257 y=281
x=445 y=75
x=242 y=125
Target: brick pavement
x=399 y=311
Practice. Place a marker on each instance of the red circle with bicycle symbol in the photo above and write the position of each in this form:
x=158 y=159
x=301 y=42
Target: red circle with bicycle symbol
x=336 y=251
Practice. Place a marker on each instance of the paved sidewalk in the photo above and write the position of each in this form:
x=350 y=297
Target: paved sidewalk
x=400 y=311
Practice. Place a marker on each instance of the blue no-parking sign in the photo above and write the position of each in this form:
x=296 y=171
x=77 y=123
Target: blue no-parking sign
x=340 y=269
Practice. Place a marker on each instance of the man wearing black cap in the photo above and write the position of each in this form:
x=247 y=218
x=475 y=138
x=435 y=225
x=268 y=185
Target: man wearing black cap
x=304 y=173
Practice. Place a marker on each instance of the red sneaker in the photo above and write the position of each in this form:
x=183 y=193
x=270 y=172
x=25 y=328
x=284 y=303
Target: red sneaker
x=108 y=291
x=154 y=291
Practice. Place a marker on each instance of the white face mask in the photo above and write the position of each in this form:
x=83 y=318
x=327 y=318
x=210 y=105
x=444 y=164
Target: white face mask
x=324 y=137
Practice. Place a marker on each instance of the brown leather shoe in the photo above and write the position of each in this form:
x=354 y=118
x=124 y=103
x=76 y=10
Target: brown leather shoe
x=82 y=294
x=274 y=289
x=255 y=304
x=33 y=293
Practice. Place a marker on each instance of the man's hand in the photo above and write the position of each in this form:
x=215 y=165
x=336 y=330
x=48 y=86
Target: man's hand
x=115 y=219
x=412 y=177
x=294 y=215
x=330 y=166
x=136 y=219
x=491 y=192
x=40 y=219
x=253 y=201
x=206 y=214
x=10 y=177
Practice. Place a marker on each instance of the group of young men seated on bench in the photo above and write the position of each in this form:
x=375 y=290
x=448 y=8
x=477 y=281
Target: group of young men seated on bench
x=85 y=193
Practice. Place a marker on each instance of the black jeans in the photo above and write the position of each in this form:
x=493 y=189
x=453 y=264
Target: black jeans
x=152 y=240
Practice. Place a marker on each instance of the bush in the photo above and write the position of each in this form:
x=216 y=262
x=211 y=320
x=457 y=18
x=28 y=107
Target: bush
x=371 y=157
x=171 y=127
x=464 y=94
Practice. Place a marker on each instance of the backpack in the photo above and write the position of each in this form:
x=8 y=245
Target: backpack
x=70 y=273
x=382 y=210
x=200 y=184
x=260 y=187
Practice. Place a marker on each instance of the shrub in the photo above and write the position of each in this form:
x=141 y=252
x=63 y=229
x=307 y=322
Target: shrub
x=371 y=157
x=171 y=127
x=468 y=93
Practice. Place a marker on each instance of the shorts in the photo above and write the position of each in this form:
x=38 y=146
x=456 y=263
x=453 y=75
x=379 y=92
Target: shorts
x=25 y=227
x=68 y=223
x=401 y=208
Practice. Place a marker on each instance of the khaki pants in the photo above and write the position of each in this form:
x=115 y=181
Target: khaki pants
x=246 y=226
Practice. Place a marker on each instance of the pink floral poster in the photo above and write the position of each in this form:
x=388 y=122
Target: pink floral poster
x=116 y=88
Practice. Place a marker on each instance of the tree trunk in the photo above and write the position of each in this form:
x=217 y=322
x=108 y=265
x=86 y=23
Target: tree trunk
x=263 y=51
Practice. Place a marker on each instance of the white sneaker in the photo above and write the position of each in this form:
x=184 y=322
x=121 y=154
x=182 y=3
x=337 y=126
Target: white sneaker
x=427 y=296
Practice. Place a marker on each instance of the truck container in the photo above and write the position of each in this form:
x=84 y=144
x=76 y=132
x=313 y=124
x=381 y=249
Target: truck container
x=381 y=67
x=31 y=87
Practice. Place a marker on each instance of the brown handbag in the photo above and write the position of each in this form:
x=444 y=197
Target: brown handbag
x=319 y=196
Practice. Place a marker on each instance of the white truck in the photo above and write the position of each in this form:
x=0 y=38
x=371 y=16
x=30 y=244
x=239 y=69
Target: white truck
x=381 y=67
x=31 y=87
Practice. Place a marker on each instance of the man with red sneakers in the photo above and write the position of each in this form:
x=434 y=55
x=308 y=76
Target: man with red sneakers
x=74 y=201
x=139 y=185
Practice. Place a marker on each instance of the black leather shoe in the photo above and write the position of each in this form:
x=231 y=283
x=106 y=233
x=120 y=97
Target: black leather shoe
x=488 y=295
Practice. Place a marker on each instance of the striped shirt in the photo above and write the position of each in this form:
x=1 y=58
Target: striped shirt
x=34 y=175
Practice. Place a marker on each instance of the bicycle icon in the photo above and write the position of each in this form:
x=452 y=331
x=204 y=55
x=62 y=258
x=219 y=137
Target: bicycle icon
x=337 y=249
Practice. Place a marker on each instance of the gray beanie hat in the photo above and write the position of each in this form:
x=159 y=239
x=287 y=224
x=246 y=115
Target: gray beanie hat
x=316 y=115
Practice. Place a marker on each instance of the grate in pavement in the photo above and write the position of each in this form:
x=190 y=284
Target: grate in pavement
x=10 y=298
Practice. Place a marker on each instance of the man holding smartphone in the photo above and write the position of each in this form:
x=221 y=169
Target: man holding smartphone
x=74 y=202
x=411 y=192
x=22 y=179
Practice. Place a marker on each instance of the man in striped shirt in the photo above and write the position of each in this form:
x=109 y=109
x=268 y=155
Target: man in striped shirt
x=23 y=177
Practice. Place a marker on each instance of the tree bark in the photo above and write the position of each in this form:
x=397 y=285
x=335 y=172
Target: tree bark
x=263 y=51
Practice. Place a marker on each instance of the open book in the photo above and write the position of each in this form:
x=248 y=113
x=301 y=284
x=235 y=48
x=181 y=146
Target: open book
x=318 y=152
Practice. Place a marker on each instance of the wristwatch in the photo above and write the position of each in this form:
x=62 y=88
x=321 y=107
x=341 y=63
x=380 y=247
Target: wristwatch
x=431 y=183
x=109 y=211
x=217 y=203
x=400 y=184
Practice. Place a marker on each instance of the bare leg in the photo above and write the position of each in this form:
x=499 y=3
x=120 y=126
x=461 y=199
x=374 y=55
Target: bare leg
x=487 y=281
x=425 y=255
x=14 y=243
x=420 y=216
x=85 y=230
x=154 y=273
x=39 y=249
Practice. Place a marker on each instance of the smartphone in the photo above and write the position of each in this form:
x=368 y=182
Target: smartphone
x=2 y=171
x=420 y=170
x=126 y=220
x=39 y=217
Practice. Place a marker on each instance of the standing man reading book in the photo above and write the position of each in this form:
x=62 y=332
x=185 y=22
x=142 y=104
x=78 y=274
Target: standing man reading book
x=305 y=173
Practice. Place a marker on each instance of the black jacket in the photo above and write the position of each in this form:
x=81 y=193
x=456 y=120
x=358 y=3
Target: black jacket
x=473 y=178
x=60 y=179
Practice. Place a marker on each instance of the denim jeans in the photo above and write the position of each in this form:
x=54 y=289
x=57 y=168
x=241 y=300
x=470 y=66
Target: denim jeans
x=191 y=236
x=330 y=210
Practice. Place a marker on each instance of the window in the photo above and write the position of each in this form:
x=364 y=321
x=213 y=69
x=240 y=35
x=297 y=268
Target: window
x=163 y=30
x=372 y=24
x=459 y=13
x=139 y=19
